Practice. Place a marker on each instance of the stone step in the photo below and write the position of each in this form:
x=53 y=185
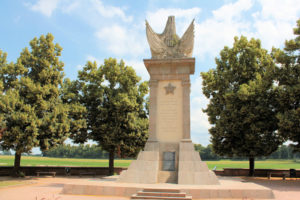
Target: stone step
x=161 y=194
x=161 y=190
x=137 y=197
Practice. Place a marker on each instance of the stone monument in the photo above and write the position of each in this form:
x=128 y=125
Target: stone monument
x=169 y=155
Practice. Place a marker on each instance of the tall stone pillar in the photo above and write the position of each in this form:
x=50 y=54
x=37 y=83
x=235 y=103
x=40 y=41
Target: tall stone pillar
x=186 y=85
x=169 y=155
x=152 y=143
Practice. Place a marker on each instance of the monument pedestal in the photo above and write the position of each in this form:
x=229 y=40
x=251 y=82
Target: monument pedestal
x=149 y=169
x=143 y=170
x=169 y=155
x=191 y=169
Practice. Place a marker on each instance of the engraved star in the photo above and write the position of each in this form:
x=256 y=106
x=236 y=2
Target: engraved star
x=170 y=88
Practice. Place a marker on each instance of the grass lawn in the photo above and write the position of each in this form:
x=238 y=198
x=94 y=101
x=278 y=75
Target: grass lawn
x=44 y=161
x=261 y=164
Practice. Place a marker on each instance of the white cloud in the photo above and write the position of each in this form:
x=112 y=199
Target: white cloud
x=287 y=10
x=232 y=10
x=218 y=31
x=95 y=12
x=272 y=24
x=109 y=11
x=199 y=120
x=275 y=22
x=46 y=7
x=139 y=67
x=273 y=33
x=89 y=9
x=79 y=67
x=212 y=35
x=183 y=17
x=122 y=41
x=69 y=7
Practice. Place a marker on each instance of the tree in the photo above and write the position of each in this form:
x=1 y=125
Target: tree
x=80 y=151
x=77 y=112
x=288 y=77
x=115 y=102
x=206 y=153
x=242 y=110
x=199 y=147
x=31 y=111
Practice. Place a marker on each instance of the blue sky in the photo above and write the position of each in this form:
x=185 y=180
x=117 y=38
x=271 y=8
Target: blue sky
x=98 y=29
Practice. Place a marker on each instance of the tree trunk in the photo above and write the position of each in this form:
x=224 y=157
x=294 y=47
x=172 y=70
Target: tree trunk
x=251 y=166
x=17 y=164
x=111 y=162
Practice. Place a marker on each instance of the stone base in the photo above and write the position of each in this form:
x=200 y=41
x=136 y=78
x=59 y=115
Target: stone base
x=142 y=170
x=229 y=188
x=191 y=169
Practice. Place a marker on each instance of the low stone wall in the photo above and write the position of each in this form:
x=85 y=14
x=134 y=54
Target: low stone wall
x=60 y=171
x=75 y=171
x=257 y=172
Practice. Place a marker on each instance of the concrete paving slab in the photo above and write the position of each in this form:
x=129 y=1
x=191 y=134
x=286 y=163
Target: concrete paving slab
x=48 y=188
x=228 y=188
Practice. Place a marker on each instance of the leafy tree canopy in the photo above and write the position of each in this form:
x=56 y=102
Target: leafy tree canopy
x=31 y=111
x=288 y=77
x=115 y=104
x=242 y=110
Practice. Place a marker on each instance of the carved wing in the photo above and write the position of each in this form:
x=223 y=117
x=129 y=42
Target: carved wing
x=186 y=44
x=156 y=44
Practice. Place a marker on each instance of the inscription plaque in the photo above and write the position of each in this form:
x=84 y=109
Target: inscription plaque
x=168 y=161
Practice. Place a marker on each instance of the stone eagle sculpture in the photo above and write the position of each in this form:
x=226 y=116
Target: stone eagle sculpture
x=168 y=44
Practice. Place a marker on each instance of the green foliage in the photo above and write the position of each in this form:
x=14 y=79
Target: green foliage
x=288 y=74
x=206 y=153
x=77 y=112
x=283 y=152
x=242 y=110
x=81 y=151
x=115 y=108
x=40 y=88
x=47 y=161
x=31 y=111
x=20 y=122
x=114 y=100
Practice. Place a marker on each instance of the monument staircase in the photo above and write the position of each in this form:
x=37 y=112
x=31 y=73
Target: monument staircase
x=170 y=194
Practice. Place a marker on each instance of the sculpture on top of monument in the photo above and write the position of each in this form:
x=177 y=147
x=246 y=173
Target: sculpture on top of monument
x=168 y=44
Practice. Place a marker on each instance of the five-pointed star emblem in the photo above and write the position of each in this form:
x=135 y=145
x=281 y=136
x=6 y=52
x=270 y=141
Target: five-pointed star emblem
x=170 y=88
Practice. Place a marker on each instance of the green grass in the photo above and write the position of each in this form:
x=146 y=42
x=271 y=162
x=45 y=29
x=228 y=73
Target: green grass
x=44 y=161
x=261 y=164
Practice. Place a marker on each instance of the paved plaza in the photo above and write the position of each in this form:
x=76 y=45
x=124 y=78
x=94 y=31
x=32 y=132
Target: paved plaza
x=48 y=188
